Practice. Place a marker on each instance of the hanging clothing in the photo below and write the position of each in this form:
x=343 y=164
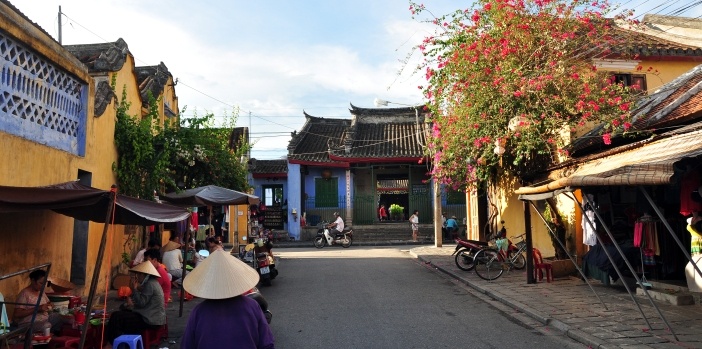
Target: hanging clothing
x=638 y=232
x=193 y=218
x=695 y=240
x=589 y=230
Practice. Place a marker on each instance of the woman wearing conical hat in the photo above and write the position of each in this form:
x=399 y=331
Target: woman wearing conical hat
x=144 y=309
x=225 y=319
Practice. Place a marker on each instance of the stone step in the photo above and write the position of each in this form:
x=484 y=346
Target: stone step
x=377 y=232
x=670 y=296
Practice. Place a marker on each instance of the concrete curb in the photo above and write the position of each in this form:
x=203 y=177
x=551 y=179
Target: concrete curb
x=575 y=334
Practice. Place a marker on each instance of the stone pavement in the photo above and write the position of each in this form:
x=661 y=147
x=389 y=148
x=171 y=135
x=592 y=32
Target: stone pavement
x=569 y=306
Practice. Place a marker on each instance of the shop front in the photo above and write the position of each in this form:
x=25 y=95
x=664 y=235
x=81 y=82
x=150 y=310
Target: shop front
x=639 y=209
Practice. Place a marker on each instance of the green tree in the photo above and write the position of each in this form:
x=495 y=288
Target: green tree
x=527 y=63
x=202 y=154
x=143 y=153
x=193 y=153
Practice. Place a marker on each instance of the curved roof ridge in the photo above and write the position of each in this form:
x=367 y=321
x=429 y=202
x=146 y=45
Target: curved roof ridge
x=101 y=57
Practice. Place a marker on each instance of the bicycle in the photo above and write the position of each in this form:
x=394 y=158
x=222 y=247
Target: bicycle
x=467 y=249
x=491 y=263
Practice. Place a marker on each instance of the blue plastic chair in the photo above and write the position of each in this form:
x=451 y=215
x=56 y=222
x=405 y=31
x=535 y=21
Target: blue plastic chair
x=132 y=340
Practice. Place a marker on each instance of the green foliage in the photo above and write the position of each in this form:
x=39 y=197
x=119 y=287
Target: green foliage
x=142 y=151
x=202 y=155
x=152 y=158
x=396 y=209
x=528 y=63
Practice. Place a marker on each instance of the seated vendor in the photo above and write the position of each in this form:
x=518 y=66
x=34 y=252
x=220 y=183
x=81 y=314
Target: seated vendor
x=213 y=244
x=145 y=309
x=46 y=318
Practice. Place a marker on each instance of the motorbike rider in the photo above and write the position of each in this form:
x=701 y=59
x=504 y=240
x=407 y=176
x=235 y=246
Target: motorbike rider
x=338 y=224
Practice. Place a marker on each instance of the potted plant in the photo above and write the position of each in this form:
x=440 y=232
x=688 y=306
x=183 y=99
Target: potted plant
x=396 y=211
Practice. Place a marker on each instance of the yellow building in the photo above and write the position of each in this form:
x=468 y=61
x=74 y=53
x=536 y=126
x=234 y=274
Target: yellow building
x=57 y=121
x=655 y=62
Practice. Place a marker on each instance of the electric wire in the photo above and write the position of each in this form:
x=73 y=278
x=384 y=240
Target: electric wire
x=675 y=11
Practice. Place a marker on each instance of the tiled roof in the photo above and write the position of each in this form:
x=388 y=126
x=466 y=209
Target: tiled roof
x=268 y=166
x=109 y=56
x=312 y=143
x=378 y=134
x=21 y=14
x=676 y=103
x=152 y=79
x=643 y=45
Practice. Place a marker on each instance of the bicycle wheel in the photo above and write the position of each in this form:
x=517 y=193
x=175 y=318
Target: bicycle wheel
x=488 y=265
x=464 y=259
x=518 y=260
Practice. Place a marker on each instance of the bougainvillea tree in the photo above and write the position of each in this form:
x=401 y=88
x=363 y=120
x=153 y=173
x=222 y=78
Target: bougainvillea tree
x=517 y=75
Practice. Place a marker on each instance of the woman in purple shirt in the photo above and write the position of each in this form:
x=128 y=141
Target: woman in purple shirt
x=226 y=319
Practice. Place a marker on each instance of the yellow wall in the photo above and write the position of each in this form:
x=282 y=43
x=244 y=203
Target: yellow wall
x=38 y=237
x=511 y=209
x=667 y=72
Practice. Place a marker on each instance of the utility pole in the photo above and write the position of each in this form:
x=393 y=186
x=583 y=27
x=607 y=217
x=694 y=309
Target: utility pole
x=250 y=146
x=59 y=26
x=438 y=236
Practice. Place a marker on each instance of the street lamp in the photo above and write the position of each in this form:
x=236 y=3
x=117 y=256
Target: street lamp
x=380 y=102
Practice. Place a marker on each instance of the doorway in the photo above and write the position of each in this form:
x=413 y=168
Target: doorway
x=392 y=189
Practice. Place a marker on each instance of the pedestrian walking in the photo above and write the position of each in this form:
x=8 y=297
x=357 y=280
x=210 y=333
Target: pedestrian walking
x=414 y=221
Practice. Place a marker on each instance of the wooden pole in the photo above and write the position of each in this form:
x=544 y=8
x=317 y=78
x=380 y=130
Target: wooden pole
x=98 y=265
x=530 y=247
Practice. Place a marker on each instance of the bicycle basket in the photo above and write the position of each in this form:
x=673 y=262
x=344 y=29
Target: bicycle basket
x=520 y=244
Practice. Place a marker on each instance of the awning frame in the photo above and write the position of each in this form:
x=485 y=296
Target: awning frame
x=568 y=192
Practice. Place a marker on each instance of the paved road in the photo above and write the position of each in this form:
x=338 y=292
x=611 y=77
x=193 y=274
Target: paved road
x=380 y=297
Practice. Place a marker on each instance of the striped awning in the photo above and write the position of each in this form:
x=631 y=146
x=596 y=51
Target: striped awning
x=650 y=164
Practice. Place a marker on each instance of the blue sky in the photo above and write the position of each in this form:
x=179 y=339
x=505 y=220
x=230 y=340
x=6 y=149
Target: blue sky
x=272 y=59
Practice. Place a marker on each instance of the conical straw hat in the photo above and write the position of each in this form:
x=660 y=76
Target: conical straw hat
x=146 y=268
x=220 y=276
x=170 y=246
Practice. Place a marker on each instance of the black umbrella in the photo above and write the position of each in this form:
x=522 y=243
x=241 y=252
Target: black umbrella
x=210 y=195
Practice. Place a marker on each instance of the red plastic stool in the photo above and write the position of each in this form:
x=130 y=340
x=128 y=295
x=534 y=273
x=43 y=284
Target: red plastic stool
x=154 y=336
x=63 y=342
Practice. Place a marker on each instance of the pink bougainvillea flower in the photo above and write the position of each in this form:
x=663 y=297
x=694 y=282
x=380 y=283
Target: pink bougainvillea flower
x=607 y=138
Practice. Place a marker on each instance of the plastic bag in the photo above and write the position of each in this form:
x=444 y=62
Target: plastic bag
x=502 y=244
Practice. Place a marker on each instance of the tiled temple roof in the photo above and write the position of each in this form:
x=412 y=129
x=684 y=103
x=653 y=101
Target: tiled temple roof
x=372 y=135
x=104 y=57
x=311 y=144
x=152 y=79
x=268 y=168
x=99 y=58
x=383 y=134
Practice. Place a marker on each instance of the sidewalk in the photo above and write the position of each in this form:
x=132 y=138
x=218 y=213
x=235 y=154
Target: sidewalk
x=571 y=307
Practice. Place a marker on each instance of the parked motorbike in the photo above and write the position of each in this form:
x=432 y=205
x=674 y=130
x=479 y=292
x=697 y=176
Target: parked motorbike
x=345 y=238
x=256 y=295
x=263 y=260
x=466 y=249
